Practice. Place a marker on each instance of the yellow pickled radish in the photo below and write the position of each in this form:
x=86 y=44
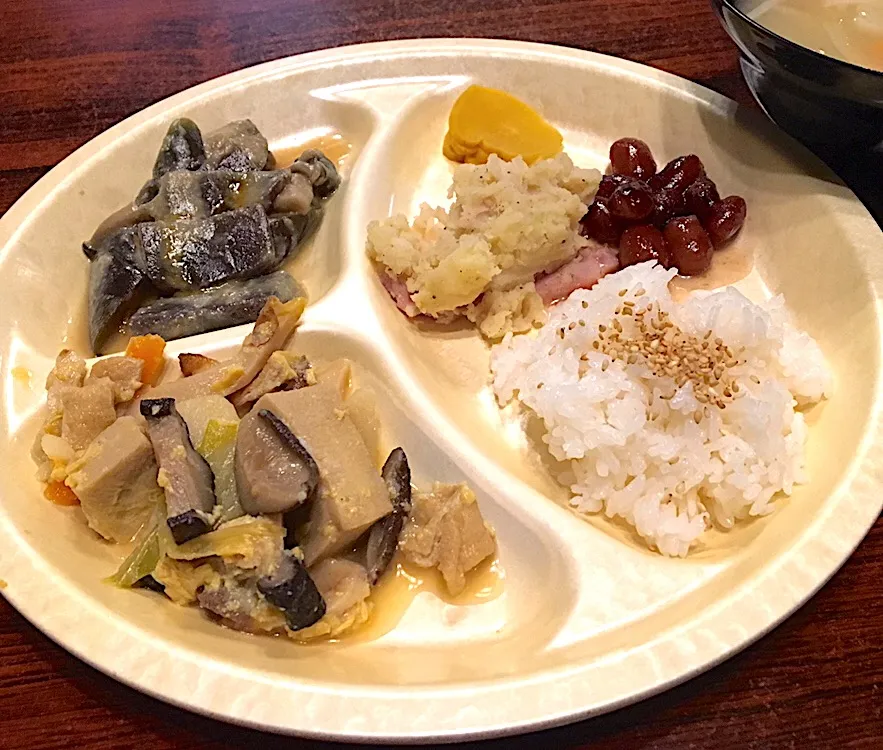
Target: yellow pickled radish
x=486 y=121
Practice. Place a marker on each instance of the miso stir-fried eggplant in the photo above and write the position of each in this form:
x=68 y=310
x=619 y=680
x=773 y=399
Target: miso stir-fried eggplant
x=253 y=487
x=199 y=247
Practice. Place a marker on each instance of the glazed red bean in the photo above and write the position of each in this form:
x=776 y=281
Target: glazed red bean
x=641 y=243
x=666 y=205
x=633 y=158
x=725 y=219
x=700 y=197
x=609 y=183
x=689 y=244
x=599 y=225
x=679 y=174
x=631 y=201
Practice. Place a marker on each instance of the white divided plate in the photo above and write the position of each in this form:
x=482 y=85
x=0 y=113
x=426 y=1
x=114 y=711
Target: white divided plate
x=589 y=619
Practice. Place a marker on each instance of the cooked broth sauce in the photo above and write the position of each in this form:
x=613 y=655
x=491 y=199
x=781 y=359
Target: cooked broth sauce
x=845 y=29
x=400 y=585
x=333 y=145
x=728 y=265
x=22 y=376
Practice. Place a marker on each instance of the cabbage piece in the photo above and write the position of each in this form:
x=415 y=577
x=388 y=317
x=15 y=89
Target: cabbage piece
x=218 y=448
x=182 y=581
x=143 y=559
x=248 y=542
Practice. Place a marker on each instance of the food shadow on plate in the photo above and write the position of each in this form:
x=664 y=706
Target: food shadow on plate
x=534 y=430
x=459 y=328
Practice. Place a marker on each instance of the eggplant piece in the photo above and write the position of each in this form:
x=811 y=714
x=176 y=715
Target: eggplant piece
x=383 y=539
x=187 y=195
x=115 y=288
x=295 y=229
x=149 y=190
x=184 y=475
x=125 y=245
x=193 y=195
x=320 y=171
x=237 y=161
x=224 y=306
x=182 y=148
x=127 y=216
x=238 y=146
x=274 y=472
x=198 y=253
x=200 y=194
x=291 y=589
x=296 y=197
x=254 y=188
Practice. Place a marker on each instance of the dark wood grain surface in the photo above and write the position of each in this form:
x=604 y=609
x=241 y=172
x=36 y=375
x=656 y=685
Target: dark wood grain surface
x=71 y=68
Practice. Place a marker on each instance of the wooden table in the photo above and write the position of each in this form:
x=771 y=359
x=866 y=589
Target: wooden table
x=71 y=68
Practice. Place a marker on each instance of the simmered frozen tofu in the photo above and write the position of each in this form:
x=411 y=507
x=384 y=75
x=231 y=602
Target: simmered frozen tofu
x=115 y=480
x=86 y=412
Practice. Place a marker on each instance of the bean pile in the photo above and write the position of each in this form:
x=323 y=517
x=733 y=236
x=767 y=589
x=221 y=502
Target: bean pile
x=675 y=215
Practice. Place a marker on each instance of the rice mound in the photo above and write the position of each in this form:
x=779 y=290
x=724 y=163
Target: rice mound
x=639 y=446
x=508 y=222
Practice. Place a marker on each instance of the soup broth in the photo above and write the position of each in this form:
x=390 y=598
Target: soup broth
x=849 y=30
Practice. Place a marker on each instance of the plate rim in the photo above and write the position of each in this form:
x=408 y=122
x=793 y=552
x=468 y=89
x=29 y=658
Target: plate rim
x=35 y=612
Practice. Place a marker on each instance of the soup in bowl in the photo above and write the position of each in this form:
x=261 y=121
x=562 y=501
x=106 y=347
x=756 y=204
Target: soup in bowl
x=815 y=66
x=845 y=29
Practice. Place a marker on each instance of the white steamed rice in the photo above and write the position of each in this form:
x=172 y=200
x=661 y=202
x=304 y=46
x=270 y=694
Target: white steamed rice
x=630 y=437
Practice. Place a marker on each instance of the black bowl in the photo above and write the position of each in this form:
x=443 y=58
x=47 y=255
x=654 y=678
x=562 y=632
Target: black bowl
x=828 y=104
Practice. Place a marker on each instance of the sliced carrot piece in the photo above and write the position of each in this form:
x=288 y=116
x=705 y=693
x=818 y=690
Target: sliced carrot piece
x=60 y=494
x=150 y=349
